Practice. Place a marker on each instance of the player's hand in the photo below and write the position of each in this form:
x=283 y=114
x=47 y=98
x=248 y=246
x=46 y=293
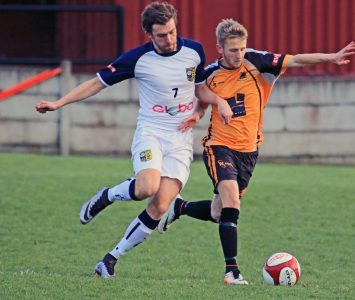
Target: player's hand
x=341 y=57
x=225 y=112
x=189 y=122
x=44 y=106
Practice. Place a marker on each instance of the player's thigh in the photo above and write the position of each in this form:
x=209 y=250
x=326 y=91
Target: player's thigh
x=229 y=193
x=147 y=182
x=220 y=164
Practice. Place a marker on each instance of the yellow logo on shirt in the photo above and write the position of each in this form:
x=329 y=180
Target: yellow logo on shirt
x=190 y=73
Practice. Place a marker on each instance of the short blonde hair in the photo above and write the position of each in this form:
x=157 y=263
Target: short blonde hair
x=229 y=28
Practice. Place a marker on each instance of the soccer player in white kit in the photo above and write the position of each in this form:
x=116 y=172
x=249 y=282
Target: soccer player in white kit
x=169 y=73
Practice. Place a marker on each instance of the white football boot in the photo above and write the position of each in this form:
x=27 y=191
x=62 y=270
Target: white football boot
x=230 y=279
x=106 y=267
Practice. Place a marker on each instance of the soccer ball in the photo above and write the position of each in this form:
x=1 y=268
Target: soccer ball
x=281 y=269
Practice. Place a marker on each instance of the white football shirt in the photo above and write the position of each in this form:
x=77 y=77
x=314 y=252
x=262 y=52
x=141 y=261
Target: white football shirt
x=166 y=82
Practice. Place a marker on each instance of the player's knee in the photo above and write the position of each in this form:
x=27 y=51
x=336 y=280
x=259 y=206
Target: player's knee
x=229 y=215
x=233 y=202
x=146 y=190
x=161 y=208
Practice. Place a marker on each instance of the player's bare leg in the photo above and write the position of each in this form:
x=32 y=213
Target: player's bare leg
x=159 y=204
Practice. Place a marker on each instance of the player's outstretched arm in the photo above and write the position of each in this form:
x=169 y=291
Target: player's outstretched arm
x=205 y=95
x=309 y=59
x=81 y=92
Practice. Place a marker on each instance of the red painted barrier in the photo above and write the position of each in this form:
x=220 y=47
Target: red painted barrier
x=34 y=80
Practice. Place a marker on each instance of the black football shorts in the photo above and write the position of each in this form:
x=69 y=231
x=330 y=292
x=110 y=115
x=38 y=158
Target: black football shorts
x=223 y=163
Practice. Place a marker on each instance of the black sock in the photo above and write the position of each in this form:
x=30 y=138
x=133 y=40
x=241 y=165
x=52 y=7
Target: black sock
x=229 y=238
x=147 y=220
x=199 y=210
x=132 y=190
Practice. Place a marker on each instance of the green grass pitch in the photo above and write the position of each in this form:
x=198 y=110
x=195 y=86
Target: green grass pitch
x=46 y=253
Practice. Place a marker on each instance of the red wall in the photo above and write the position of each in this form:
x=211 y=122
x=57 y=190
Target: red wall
x=282 y=26
x=87 y=35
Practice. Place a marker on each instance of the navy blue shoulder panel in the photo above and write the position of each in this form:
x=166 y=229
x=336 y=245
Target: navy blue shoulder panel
x=123 y=67
x=265 y=62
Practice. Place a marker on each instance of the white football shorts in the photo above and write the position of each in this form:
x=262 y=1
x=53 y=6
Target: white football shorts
x=171 y=153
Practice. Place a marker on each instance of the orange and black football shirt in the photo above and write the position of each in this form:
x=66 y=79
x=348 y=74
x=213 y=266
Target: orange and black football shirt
x=247 y=90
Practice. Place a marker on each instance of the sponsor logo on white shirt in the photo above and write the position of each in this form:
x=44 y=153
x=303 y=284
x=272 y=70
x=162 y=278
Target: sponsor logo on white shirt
x=174 y=110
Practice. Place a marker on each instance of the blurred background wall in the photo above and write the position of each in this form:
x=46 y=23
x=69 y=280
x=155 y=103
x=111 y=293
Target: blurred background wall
x=309 y=116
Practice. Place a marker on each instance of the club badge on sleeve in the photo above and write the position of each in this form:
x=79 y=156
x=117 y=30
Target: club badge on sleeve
x=145 y=155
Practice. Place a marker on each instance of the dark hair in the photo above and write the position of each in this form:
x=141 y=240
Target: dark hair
x=157 y=13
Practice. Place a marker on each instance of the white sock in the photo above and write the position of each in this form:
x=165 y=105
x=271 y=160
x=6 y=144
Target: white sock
x=135 y=234
x=120 y=192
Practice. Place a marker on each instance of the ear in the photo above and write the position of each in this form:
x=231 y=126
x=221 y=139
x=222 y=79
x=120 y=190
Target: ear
x=149 y=34
x=219 y=49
